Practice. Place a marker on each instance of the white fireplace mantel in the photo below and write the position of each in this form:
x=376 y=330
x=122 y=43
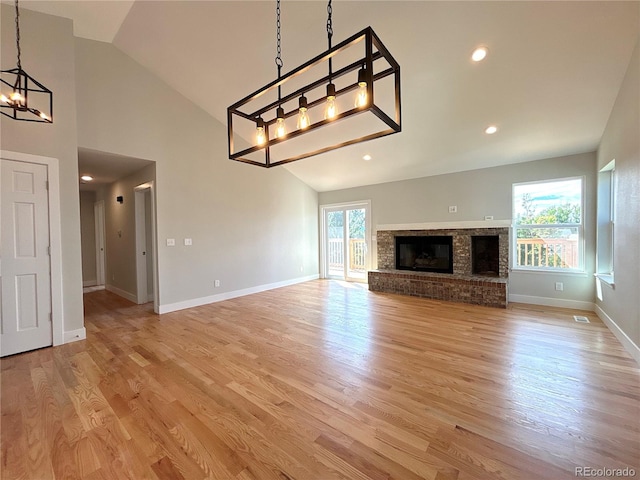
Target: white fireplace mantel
x=445 y=225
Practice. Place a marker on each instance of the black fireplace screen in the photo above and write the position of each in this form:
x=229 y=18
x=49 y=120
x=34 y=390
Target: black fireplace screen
x=425 y=253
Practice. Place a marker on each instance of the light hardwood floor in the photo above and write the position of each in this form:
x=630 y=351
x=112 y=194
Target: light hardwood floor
x=322 y=380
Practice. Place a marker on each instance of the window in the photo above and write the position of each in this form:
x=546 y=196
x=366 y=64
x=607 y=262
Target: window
x=548 y=233
x=606 y=220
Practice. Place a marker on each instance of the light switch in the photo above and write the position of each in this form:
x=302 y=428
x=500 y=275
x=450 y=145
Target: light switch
x=171 y=242
x=188 y=241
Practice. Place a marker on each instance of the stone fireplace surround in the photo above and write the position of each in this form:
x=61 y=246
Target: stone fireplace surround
x=461 y=286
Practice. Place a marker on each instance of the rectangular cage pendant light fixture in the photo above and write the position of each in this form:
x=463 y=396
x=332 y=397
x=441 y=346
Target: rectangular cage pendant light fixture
x=284 y=121
x=26 y=98
x=22 y=97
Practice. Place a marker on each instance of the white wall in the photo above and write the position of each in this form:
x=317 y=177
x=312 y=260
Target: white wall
x=483 y=192
x=621 y=141
x=250 y=226
x=88 y=236
x=47 y=44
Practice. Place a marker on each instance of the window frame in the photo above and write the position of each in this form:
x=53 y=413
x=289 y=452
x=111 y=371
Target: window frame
x=579 y=226
x=605 y=255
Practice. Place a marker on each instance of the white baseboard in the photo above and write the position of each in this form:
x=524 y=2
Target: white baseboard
x=75 y=335
x=196 y=302
x=123 y=293
x=553 y=302
x=89 y=283
x=622 y=337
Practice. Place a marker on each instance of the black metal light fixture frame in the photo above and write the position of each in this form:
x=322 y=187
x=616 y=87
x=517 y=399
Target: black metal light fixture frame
x=23 y=84
x=394 y=124
x=20 y=85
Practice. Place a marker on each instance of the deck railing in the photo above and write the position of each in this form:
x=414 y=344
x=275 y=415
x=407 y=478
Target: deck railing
x=547 y=252
x=357 y=254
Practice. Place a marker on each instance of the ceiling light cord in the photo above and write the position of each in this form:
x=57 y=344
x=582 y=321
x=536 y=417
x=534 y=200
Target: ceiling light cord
x=278 y=60
x=18 y=34
x=330 y=35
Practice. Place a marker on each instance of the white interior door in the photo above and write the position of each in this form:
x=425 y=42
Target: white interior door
x=24 y=253
x=146 y=260
x=98 y=210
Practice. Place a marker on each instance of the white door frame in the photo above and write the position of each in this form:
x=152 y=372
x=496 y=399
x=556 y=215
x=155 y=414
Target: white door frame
x=366 y=204
x=98 y=214
x=55 y=236
x=141 y=266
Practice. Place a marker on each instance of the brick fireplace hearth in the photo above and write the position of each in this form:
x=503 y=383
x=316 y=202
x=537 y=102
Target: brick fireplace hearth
x=460 y=286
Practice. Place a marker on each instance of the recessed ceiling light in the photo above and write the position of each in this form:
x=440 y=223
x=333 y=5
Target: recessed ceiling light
x=86 y=178
x=491 y=129
x=479 y=54
x=367 y=157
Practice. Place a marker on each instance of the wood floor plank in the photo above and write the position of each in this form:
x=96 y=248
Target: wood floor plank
x=322 y=381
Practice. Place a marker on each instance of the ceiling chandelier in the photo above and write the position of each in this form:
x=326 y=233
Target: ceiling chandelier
x=22 y=97
x=346 y=95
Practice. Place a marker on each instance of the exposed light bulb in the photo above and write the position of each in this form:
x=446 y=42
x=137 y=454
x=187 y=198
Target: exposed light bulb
x=260 y=136
x=303 y=117
x=330 y=109
x=361 y=94
x=43 y=116
x=281 y=130
x=16 y=97
x=4 y=99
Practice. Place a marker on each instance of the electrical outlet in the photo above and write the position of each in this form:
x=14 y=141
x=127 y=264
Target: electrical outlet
x=171 y=242
x=559 y=286
x=188 y=242
x=488 y=217
x=216 y=283
x=453 y=209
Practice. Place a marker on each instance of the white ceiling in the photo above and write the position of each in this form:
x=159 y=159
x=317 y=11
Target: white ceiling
x=549 y=82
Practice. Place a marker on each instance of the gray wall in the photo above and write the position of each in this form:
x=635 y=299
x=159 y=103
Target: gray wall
x=48 y=55
x=483 y=192
x=88 y=235
x=120 y=230
x=250 y=226
x=621 y=141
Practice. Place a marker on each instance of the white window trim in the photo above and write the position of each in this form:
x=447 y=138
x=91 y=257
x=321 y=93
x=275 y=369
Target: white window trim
x=580 y=226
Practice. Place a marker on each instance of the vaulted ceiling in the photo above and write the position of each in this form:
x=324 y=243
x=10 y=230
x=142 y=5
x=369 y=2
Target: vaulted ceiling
x=549 y=82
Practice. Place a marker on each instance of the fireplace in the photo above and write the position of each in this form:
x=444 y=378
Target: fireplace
x=425 y=253
x=485 y=255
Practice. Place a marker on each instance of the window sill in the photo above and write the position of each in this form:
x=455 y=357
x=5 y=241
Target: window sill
x=575 y=273
x=606 y=278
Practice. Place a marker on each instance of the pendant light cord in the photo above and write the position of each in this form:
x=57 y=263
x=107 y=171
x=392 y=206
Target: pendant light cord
x=279 y=62
x=18 y=34
x=330 y=34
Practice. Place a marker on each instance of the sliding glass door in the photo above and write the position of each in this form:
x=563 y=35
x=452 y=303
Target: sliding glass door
x=345 y=241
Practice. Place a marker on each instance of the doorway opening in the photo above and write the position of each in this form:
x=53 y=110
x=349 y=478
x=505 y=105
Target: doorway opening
x=145 y=246
x=118 y=232
x=346 y=236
